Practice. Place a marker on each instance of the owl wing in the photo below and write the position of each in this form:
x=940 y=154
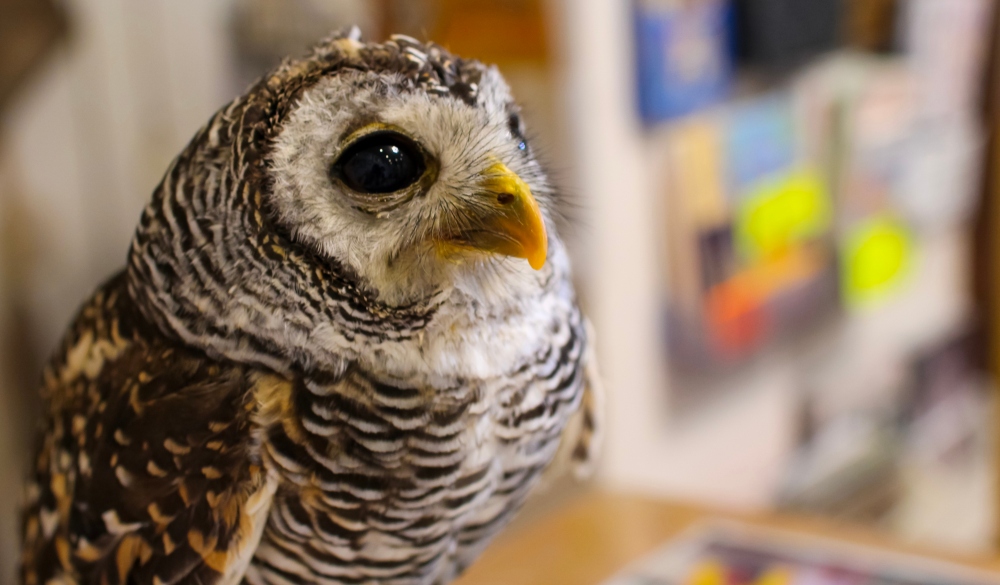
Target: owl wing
x=590 y=424
x=146 y=473
x=580 y=443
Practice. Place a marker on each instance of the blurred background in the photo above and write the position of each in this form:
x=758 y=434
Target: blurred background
x=785 y=220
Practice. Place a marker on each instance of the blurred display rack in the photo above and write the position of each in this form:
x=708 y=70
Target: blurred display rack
x=693 y=448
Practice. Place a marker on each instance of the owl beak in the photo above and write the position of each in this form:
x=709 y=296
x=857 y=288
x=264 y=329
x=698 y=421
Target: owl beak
x=511 y=222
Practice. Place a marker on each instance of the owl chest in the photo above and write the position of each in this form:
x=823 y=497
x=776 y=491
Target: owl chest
x=371 y=445
x=409 y=478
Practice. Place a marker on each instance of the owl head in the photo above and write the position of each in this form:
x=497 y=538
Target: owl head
x=410 y=167
x=362 y=179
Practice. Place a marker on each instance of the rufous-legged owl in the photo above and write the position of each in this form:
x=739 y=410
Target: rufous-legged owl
x=344 y=346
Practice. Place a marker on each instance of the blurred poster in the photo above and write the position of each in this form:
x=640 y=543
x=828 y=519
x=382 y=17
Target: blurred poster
x=875 y=240
x=748 y=238
x=735 y=554
x=785 y=208
x=878 y=112
x=871 y=156
x=683 y=56
x=760 y=140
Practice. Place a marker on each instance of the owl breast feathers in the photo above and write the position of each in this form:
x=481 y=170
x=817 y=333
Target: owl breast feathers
x=343 y=349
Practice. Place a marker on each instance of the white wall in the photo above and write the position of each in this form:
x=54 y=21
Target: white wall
x=91 y=136
x=80 y=152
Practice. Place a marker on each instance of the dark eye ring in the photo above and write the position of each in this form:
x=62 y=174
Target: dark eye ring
x=514 y=125
x=380 y=162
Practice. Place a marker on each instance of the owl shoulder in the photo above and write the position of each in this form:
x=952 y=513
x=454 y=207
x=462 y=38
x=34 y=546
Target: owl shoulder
x=147 y=466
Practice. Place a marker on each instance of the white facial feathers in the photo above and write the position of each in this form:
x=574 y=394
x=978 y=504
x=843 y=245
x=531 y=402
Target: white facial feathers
x=388 y=249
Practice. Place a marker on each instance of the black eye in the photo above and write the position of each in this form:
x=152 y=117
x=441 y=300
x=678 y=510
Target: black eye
x=381 y=162
x=514 y=125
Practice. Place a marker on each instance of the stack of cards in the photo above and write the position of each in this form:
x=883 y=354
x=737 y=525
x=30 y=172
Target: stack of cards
x=734 y=554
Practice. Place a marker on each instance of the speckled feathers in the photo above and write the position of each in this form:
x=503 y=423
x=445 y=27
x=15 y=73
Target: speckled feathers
x=283 y=386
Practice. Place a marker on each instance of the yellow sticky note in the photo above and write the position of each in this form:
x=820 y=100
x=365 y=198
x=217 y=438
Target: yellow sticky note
x=708 y=572
x=782 y=212
x=776 y=576
x=876 y=255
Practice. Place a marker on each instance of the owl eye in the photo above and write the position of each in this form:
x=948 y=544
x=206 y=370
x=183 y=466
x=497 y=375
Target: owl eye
x=381 y=162
x=514 y=125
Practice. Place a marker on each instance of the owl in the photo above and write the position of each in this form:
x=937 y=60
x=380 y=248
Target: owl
x=344 y=346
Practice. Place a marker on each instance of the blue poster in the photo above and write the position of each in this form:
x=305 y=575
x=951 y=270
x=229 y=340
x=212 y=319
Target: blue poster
x=684 y=57
x=760 y=142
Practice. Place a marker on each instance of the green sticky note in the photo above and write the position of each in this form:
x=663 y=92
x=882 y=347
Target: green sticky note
x=876 y=256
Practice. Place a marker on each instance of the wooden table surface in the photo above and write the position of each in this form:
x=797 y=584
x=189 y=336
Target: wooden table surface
x=593 y=536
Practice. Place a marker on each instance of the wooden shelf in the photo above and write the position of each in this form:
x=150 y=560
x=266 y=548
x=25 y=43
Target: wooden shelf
x=595 y=535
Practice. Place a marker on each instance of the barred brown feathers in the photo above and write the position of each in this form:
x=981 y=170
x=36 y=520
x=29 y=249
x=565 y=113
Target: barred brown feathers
x=306 y=377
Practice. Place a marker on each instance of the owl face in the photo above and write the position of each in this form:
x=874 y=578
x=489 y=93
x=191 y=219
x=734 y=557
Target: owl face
x=413 y=191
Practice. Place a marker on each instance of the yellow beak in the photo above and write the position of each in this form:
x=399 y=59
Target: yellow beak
x=510 y=224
